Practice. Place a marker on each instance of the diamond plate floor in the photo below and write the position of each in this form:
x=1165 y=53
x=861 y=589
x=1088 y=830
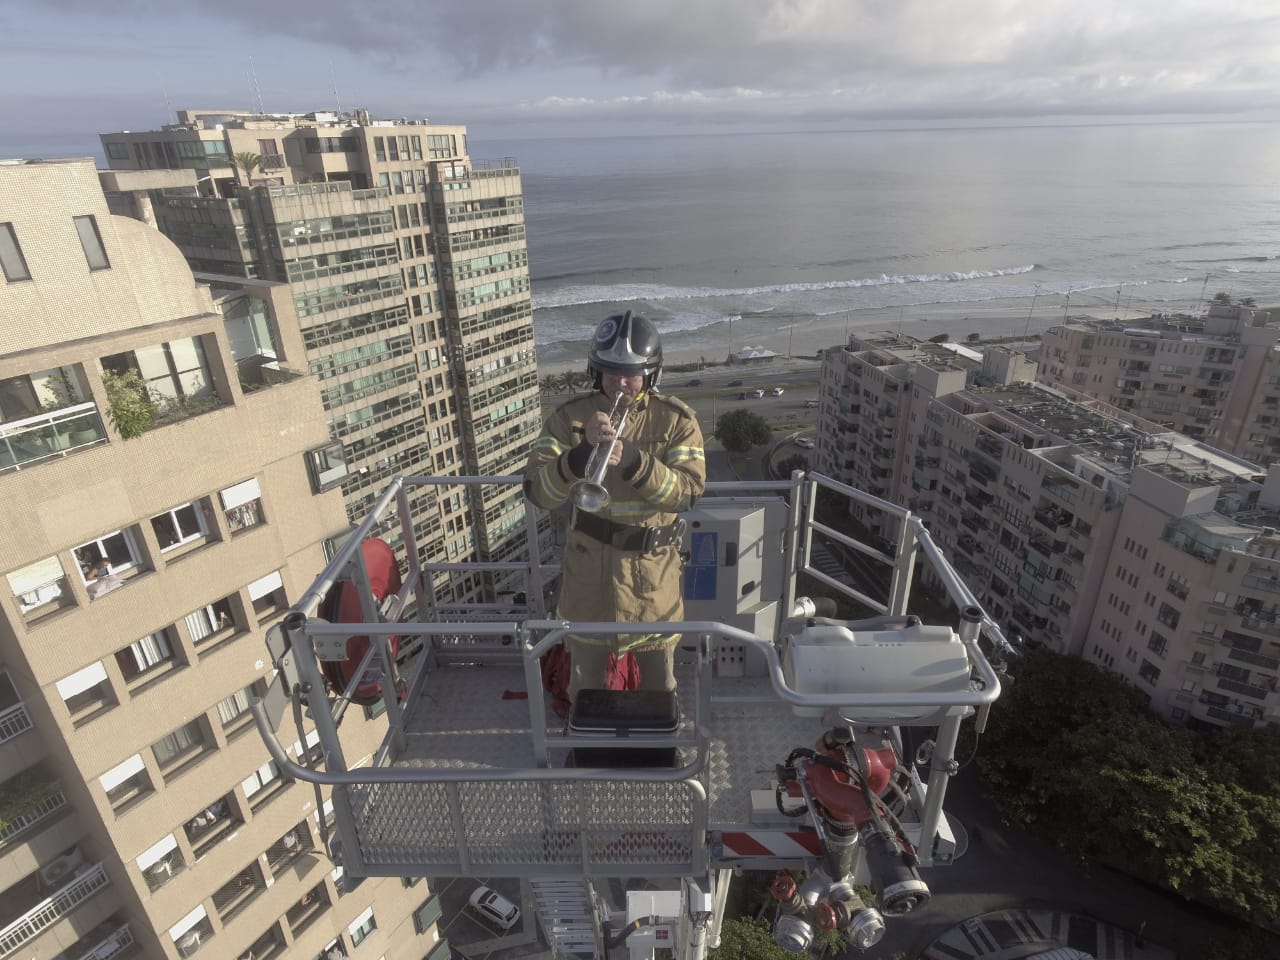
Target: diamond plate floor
x=476 y=717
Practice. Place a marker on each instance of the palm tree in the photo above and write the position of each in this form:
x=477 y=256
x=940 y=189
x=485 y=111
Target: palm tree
x=568 y=381
x=1248 y=302
x=549 y=384
x=1222 y=297
x=248 y=162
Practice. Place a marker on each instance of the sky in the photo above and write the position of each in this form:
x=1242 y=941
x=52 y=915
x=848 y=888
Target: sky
x=537 y=68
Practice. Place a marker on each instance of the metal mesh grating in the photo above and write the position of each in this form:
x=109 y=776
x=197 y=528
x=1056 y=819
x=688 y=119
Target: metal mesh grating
x=515 y=824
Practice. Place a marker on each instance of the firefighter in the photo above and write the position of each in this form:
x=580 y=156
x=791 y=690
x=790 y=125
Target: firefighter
x=622 y=564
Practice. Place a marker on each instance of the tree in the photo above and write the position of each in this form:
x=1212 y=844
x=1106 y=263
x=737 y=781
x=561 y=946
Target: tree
x=549 y=384
x=129 y=404
x=248 y=163
x=746 y=938
x=1222 y=297
x=1200 y=814
x=973 y=337
x=568 y=381
x=940 y=338
x=1248 y=302
x=739 y=430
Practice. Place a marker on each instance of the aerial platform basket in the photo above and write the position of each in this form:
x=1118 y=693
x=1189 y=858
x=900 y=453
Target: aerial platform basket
x=473 y=775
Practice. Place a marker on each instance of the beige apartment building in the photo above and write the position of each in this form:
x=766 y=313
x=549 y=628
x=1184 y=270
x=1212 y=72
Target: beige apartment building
x=409 y=273
x=148 y=546
x=1077 y=525
x=1215 y=378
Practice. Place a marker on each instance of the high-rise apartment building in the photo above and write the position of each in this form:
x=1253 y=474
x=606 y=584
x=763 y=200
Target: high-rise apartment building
x=409 y=273
x=151 y=537
x=1076 y=524
x=1215 y=378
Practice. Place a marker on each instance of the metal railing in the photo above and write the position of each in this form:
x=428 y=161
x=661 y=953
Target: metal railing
x=14 y=721
x=53 y=434
x=51 y=910
x=43 y=809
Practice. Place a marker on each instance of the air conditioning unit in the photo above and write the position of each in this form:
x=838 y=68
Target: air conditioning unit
x=60 y=869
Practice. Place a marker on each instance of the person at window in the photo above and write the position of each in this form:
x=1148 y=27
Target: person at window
x=100 y=579
x=622 y=564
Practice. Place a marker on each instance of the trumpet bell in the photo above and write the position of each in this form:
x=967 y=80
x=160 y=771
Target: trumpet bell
x=589 y=496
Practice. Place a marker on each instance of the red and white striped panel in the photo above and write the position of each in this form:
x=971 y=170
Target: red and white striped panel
x=786 y=844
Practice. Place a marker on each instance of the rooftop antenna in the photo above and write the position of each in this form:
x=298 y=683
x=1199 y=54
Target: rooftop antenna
x=901 y=309
x=168 y=105
x=1203 y=287
x=1027 y=333
x=255 y=92
x=1118 y=289
x=336 y=99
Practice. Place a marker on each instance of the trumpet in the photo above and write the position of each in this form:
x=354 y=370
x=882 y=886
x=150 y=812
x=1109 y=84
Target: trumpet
x=590 y=493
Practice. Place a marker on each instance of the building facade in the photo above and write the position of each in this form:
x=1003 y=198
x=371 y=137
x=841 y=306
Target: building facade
x=1077 y=525
x=152 y=537
x=409 y=272
x=1215 y=378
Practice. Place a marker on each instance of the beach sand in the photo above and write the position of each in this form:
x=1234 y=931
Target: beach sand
x=805 y=337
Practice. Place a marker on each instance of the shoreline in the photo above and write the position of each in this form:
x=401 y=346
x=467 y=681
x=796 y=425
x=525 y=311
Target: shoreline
x=801 y=338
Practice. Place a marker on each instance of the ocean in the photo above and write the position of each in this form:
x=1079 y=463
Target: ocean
x=777 y=230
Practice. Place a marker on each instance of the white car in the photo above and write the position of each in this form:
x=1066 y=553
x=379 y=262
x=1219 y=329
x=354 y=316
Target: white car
x=775 y=392
x=811 y=403
x=489 y=905
x=757 y=393
x=804 y=443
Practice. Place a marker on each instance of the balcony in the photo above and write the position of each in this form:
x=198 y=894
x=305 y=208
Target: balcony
x=288 y=848
x=57 y=433
x=240 y=891
x=14 y=721
x=27 y=799
x=1268 y=582
x=1252 y=691
x=108 y=939
x=308 y=909
x=88 y=880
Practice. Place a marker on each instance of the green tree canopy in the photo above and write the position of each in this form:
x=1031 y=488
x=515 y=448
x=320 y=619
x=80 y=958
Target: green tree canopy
x=739 y=430
x=746 y=938
x=1222 y=297
x=1074 y=754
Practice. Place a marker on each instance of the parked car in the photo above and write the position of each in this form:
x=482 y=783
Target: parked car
x=757 y=393
x=491 y=906
x=775 y=392
x=804 y=443
x=811 y=403
x=695 y=382
x=734 y=383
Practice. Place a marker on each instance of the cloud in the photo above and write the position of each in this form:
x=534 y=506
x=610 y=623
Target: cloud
x=835 y=58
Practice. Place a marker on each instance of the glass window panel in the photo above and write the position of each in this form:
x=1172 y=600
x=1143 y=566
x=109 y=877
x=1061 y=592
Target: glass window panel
x=91 y=240
x=11 y=259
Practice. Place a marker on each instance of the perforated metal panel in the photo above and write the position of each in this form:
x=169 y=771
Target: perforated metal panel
x=528 y=828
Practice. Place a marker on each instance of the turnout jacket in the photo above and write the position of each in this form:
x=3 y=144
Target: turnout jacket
x=662 y=472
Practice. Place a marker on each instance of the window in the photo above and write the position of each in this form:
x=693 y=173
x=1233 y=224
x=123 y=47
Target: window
x=327 y=466
x=40 y=585
x=267 y=594
x=145 y=655
x=1149 y=672
x=91 y=240
x=103 y=560
x=235 y=708
x=159 y=862
x=86 y=690
x=174 y=370
x=427 y=914
x=215 y=619
x=260 y=779
x=174 y=749
x=118 y=151
x=179 y=526
x=361 y=927
x=126 y=782
x=242 y=505
x=12 y=261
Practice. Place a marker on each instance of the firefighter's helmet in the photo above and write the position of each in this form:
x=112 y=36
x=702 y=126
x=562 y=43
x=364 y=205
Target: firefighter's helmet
x=626 y=343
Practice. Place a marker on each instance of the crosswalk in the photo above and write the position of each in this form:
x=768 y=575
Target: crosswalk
x=1040 y=934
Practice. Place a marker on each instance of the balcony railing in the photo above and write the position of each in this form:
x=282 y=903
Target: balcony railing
x=112 y=945
x=14 y=721
x=1269 y=582
x=51 y=910
x=46 y=435
x=45 y=808
x=1244 y=689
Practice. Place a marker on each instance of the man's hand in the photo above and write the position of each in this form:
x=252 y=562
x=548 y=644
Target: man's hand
x=599 y=430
